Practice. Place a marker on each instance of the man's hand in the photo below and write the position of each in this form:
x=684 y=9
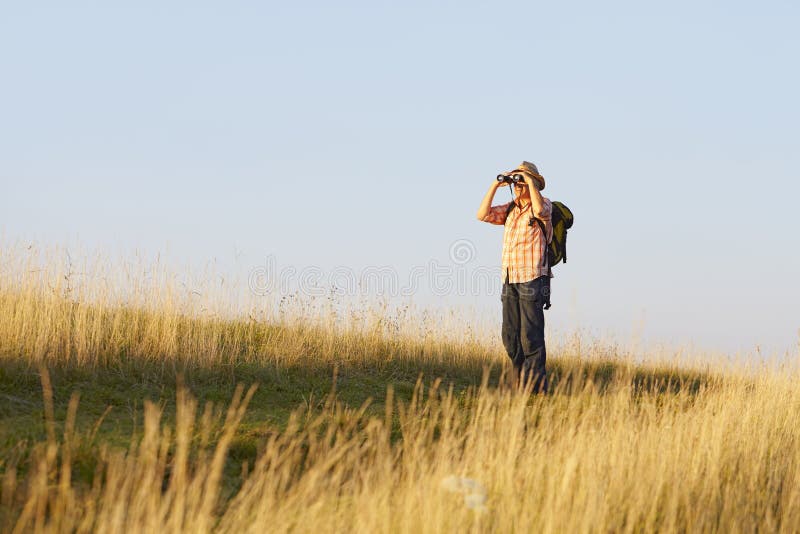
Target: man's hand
x=533 y=185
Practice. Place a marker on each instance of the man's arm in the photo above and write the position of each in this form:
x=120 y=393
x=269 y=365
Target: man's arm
x=537 y=203
x=486 y=204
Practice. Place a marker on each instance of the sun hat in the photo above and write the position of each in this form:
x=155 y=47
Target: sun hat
x=527 y=166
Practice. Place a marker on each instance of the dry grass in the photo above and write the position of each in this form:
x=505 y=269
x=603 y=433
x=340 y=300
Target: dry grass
x=616 y=447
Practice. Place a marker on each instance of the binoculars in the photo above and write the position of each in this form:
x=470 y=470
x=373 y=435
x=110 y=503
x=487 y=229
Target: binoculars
x=511 y=179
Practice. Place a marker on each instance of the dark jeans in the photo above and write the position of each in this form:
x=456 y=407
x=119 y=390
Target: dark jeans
x=523 y=329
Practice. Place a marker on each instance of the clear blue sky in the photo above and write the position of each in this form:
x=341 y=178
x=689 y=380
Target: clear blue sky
x=357 y=134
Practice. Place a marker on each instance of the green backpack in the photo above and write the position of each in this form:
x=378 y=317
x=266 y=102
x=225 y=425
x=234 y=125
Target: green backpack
x=562 y=221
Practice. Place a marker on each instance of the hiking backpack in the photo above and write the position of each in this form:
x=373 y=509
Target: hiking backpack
x=562 y=219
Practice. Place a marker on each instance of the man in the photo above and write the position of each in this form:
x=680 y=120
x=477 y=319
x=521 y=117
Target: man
x=526 y=275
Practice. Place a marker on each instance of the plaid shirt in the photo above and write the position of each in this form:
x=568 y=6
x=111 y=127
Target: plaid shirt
x=524 y=247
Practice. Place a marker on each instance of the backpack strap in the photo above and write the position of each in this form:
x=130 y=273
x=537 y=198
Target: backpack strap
x=510 y=209
x=543 y=228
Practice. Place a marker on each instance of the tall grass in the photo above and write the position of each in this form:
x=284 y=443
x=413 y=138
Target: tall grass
x=616 y=446
x=100 y=311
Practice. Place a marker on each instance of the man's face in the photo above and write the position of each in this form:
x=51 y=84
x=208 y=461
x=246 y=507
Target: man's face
x=520 y=188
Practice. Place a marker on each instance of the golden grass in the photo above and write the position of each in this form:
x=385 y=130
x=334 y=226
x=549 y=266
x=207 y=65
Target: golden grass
x=643 y=449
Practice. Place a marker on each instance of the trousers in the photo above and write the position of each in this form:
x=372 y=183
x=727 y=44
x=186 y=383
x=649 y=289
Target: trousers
x=523 y=330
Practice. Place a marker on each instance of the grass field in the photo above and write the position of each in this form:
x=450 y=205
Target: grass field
x=128 y=404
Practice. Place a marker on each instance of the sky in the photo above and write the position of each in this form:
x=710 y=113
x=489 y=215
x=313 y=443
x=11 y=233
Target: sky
x=339 y=140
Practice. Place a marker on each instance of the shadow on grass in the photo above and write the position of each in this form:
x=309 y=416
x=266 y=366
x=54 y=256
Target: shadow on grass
x=127 y=383
x=570 y=375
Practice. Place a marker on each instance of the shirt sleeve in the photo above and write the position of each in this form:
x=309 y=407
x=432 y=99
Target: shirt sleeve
x=547 y=210
x=497 y=214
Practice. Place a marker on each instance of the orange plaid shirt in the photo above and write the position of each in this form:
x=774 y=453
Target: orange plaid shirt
x=524 y=246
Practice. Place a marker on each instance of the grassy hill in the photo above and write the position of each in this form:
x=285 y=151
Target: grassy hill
x=138 y=414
